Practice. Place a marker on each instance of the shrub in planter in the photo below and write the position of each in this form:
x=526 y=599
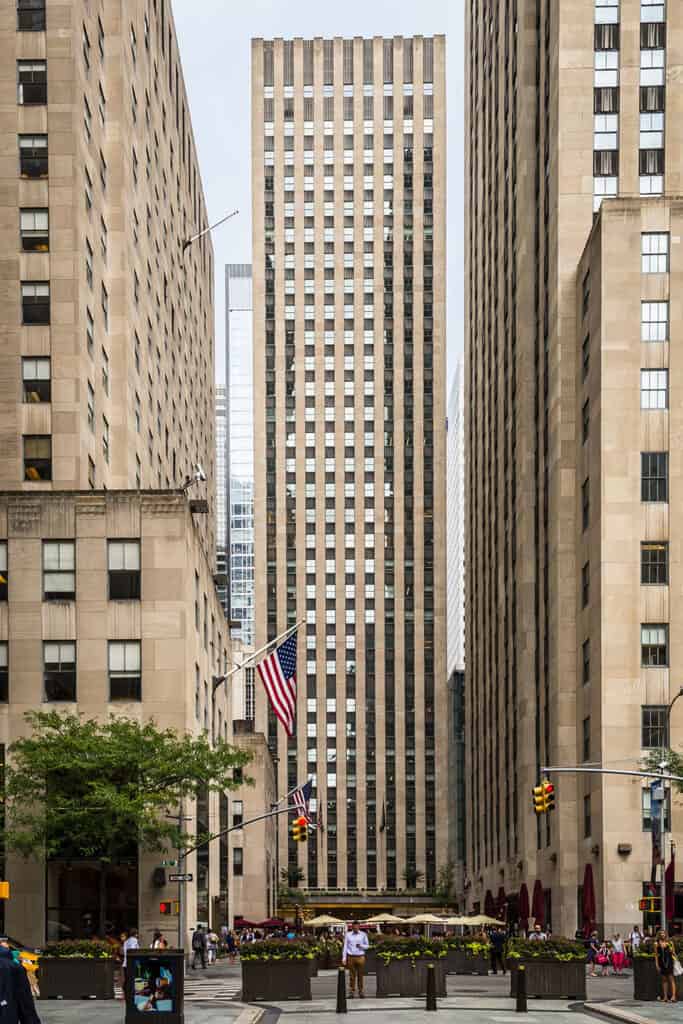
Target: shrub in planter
x=77 y=969
x=402 y=966
x=555 y=969
x=466 y=955
x=277 y=969
x=647 y=986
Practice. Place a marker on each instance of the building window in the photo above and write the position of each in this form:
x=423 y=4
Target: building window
x=59 y=671
x=33 y=156
x=105 y=438
x=32 y=82
x=125 y=681
x=654 y=645
x=31 y=15
x=35 y=374
x=655 y=252
x=91 y=473
x=4 y=672
x=34 y=230
x=237 y=813
x=91 y=408
x=124 y=570
x=586 y=739
x=654 y=562
x=4 y=573
x=35 y=302
x=585 y=584
x=59 y=570
x=105 y=307
x=37 y=458
x=647 y=810
x=585 y=421
x=654 y=471
x=585 y=503
x=654 y=389
x=237 y=861
x=654 y=321
x=587 y=828
x=654 y=726
x=586 y=661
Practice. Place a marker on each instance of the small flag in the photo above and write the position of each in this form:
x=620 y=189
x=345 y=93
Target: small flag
x=278 y=672
x=300 y=798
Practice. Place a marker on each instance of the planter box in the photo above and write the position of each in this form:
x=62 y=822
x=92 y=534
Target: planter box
x=401 y=978
x=458 y=962
x=73 y=978
x=551 y=979
x=275 y=980
x=328 y=962
x=371 y=961
x=647 y=986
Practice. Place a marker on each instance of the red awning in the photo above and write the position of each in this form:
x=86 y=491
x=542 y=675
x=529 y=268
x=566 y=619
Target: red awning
x=241 y=922
x=524 y=906
x=538 y=904
x=670 y=881
x=272 y=922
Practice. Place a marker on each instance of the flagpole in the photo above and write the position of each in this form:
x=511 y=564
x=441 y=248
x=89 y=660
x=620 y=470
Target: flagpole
x=247 y=661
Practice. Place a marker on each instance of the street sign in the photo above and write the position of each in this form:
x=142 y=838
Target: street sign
x=180 y=878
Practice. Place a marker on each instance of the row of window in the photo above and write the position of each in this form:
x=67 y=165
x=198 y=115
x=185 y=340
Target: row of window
x=654 y=568
x=646 y=815
x=59 y=570
x=59 y=670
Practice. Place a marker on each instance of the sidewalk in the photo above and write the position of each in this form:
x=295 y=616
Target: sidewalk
x=631 y=1012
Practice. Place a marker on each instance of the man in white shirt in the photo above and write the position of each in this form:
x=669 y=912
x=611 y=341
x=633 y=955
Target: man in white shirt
x=537 y=935
x=353 y=954
x=130 y=943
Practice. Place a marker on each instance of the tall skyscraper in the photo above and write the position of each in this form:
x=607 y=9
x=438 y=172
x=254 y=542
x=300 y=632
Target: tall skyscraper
x=455 y=545
x=348 y=164
x=573 y=228
x=240 y=448
x=222 y=495
x=107 y=603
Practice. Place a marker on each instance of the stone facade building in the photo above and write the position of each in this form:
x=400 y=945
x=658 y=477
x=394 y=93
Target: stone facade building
x=573 y=257
x=349 y=247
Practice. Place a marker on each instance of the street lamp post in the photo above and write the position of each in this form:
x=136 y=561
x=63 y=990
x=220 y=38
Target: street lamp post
x=662 y=815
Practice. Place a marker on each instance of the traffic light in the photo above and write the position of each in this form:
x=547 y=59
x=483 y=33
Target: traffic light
x=166 y=907
x=544 y=797
x=649 y=904
x=549 y=791
x=299 y=830
x=538 y=795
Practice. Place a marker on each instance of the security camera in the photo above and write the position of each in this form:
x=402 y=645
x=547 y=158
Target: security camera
x=199 y=473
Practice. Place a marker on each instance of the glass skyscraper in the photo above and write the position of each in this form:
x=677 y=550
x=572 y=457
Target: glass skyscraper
x=240 y=450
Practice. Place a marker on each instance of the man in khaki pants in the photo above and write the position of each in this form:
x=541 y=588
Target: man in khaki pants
x=355 y=946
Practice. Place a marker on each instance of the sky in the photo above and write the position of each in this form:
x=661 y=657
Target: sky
x=215 y=45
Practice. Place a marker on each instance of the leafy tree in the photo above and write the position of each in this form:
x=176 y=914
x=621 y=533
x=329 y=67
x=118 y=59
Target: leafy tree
x=445 y=883
x=673 y=761
x=82 y=788
x=412 y=877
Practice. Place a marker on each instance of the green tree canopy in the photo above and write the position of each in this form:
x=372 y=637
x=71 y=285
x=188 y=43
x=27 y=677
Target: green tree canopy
x=78 y=787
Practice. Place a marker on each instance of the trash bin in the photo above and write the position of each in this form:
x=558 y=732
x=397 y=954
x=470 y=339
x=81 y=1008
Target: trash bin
x=155 y=983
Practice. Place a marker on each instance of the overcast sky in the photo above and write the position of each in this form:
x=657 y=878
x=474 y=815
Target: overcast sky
x=214 y=37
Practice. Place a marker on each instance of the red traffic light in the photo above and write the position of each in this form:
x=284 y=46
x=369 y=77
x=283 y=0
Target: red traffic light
x=302 y=822
x=165 y=907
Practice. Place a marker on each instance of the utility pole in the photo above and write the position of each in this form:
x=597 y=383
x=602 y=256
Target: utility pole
x=662 y=850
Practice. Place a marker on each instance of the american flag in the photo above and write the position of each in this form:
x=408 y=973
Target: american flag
x=300 y=797
x=278 y=672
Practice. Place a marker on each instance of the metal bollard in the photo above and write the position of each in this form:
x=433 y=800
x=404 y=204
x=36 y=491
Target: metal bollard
x=341 y=991
x=521 y=989
x=431 y=988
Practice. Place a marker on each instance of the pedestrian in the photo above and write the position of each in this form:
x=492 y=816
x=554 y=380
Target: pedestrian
x=199 y=947
x=664 y=962
x=131 y=942
x=602 y=959
x=16 y=1001
x=212 y=946
x=158 y=941
x=353 y=955
x=537 y=935
x=231 y=946
x=593 y=950
x=497 y=949
x=618 y=955
x=635 y=939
